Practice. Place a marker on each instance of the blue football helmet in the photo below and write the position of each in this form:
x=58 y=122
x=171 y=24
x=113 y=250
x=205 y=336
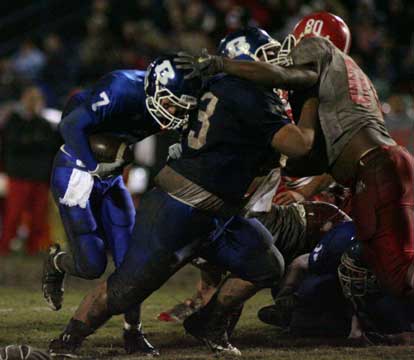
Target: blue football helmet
x=250 y=43
x=355 y=278
x=165 y=86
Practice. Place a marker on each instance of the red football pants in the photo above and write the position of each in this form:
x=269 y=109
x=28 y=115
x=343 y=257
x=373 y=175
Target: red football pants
x=383 y=212
x=30 y=199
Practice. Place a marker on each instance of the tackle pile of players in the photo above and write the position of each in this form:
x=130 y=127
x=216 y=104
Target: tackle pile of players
x=257 y=104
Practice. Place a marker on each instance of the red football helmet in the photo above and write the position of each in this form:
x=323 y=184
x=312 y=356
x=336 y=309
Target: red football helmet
x=326 y=25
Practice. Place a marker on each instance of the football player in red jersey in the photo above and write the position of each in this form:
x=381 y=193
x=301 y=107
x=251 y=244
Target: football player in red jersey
x=349 y=138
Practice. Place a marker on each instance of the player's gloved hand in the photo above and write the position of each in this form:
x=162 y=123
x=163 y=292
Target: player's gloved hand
x=203 y=65
x=289 y=197
x=175 y=151
x=104 y=170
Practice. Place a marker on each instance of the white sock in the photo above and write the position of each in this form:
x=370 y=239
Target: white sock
x=55 y=261
x=130 y=327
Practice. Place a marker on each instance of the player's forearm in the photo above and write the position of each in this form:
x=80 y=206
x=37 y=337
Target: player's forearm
x=294 y=275
x=317 y=185
x=295 y=141
x=292 y=141
x=73 y=130
x=268 y=75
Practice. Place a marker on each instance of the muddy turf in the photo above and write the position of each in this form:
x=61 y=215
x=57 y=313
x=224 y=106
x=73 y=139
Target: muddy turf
x=25 y=318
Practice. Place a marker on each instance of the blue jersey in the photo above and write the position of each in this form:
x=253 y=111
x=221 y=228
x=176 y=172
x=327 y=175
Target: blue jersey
x=228 y=143
x=116 y=104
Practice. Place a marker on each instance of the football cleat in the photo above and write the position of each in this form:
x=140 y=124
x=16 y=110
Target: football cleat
x=136 y=342
x=279 y=314
x=65 y=347
x=213 y=336
x=52 y=280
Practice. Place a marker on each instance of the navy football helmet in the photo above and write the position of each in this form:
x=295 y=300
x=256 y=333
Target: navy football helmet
x=166 y=87
x=250 y=43
x=355 y=278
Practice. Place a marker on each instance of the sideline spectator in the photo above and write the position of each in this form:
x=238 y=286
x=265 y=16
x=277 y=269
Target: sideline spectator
x=29 y=145
x=29 y=61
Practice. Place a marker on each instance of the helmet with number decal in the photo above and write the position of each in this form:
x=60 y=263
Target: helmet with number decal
x=250 y=43
x=166 y=88
x=326 y=25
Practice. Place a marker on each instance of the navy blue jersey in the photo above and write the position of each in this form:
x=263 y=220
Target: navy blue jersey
x=326 y=256
x=228 y=143
x=116 y=104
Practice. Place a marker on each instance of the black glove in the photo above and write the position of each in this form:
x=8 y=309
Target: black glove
x=200 y=66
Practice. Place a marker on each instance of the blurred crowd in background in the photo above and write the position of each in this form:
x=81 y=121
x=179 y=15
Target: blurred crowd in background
x=69 y=46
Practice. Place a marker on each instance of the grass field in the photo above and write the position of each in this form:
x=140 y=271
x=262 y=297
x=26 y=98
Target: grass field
x=26 y=319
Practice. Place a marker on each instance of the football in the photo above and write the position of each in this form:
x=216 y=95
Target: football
x=22 y=352
x=109 y=148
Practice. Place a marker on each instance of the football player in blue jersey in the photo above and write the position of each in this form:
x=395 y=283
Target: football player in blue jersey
x=379 y=317
x=96 y=208
x=194 y=210
x=310 y=288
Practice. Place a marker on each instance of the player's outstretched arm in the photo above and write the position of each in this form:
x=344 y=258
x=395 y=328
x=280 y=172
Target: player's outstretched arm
x=275 y=76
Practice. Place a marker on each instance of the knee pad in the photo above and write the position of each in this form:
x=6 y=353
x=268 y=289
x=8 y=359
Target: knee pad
x=128 y=287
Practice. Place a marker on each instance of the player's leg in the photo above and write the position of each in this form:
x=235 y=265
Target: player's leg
x=15 y=205
x=87 y=257
x=245 y=248
x=386 y=225
x=210 y=278
x=118 y=218
x=39 y=210
x=162 y=242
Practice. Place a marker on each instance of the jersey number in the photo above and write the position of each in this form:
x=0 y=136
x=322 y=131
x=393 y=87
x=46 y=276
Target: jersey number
x=196 y=141
x=313 y=27
x=359 y=85
x=104 y=101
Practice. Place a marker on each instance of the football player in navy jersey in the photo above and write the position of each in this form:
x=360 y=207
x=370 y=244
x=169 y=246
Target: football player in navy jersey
x=96 y=208
x=194 y=210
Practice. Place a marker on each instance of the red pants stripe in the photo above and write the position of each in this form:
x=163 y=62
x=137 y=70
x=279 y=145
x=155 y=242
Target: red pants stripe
x=26 y=199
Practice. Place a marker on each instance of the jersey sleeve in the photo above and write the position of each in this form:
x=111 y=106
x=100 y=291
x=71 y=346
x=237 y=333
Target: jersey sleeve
x=311 y=51
x=262 y=111
x=105 y=100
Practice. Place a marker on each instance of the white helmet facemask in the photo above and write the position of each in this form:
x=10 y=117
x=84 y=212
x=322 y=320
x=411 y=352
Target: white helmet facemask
x=268 y=52
x=157 y=107
x=283 y=57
